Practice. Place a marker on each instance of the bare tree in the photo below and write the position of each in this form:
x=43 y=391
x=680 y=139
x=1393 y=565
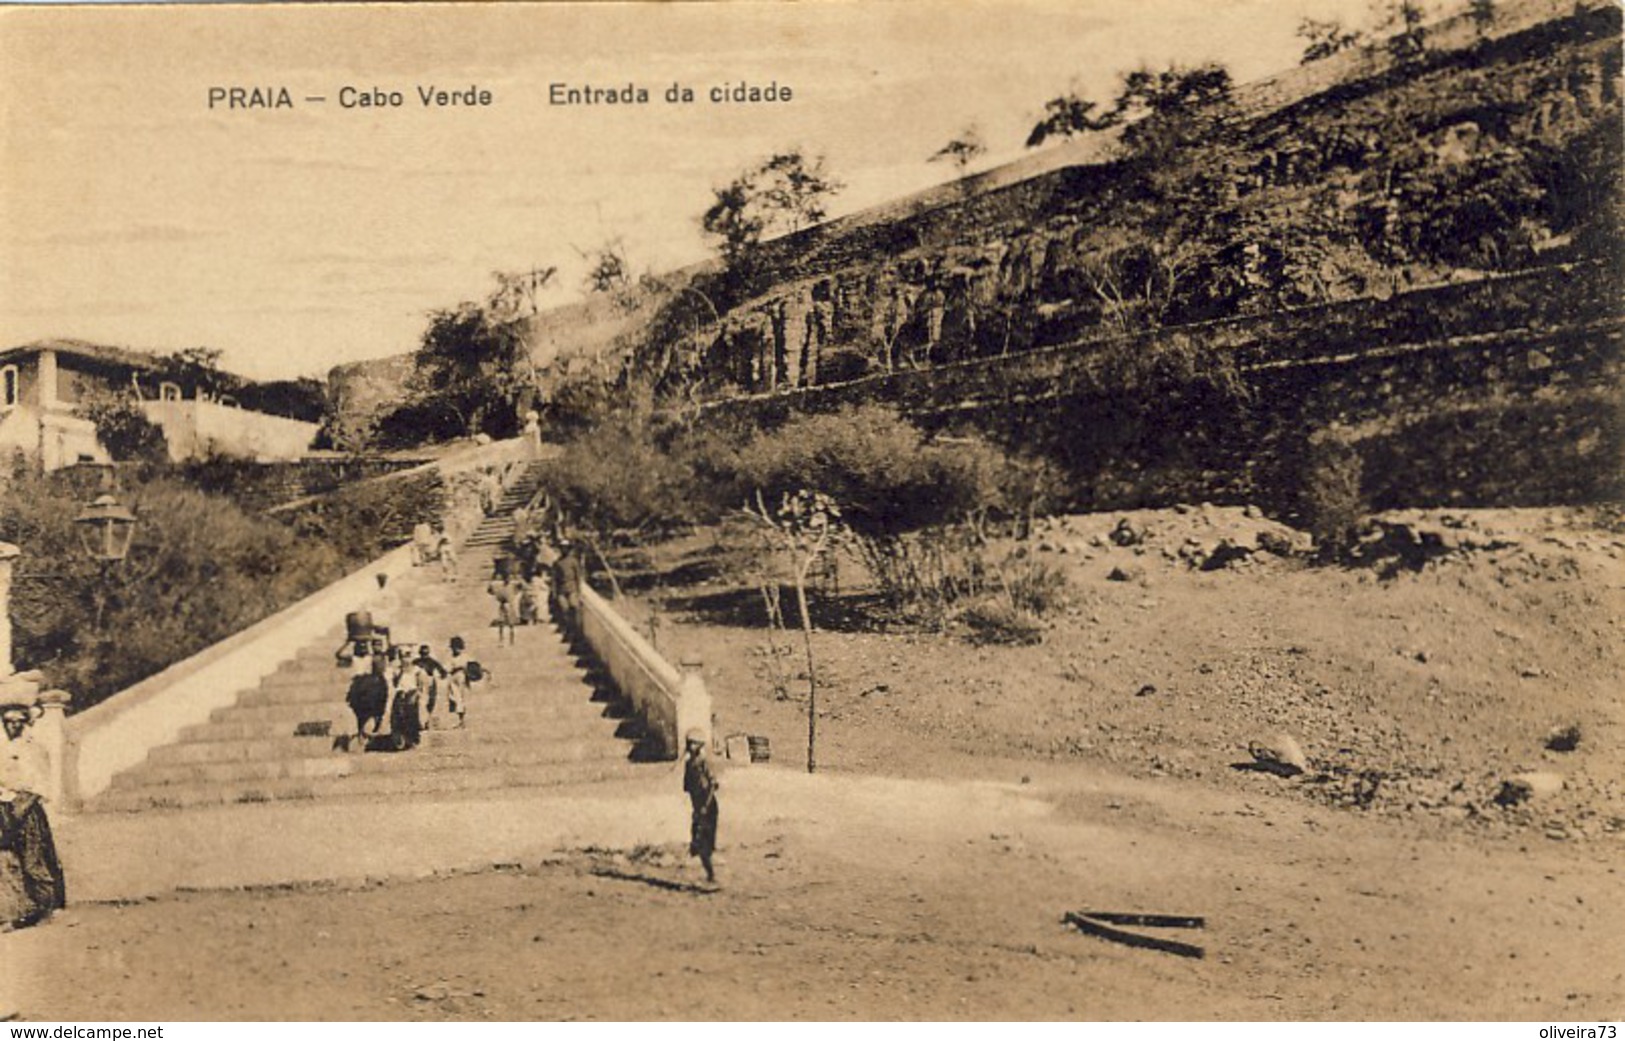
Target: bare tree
x=1136 y=282
x=1403 y=21
x=805 y=527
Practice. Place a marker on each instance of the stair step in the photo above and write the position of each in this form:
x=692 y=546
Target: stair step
x=333 y=763
x=371 y=786
x=511 y=709
x=536 y=644
x=477 y=733
x=540 y=722
x=494 y=727
x=510 y=682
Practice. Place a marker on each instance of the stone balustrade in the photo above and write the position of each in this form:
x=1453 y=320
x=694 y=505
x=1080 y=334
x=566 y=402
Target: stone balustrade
x=118 y=733
x=670 y=701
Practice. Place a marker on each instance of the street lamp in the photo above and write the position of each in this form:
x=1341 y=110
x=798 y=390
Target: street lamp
x=105 y=528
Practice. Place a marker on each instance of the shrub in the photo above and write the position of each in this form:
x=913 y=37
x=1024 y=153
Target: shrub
x=199 y=569
x=925 y=577
x=996 y=621
x=1027 y=591
x=123 y=429
x=887 y=478
x=1033 y=586
x=916 y=509
x=617 y=478
x=1030 y=486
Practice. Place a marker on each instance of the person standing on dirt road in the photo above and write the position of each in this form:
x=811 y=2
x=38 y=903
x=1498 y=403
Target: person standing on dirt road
x=700 y=782
x=31 y=880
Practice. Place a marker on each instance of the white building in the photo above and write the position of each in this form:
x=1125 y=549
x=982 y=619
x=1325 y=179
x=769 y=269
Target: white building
x=42 y=383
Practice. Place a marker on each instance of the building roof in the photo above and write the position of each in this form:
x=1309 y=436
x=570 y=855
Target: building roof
x=119 y=356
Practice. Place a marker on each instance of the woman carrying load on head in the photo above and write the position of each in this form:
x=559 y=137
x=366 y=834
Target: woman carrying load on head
x=368 y=696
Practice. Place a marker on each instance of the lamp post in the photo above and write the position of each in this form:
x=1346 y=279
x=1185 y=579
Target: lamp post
x=105 y=528
x=8 y=556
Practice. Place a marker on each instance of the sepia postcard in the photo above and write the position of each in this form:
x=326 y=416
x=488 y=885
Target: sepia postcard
x=932 y=510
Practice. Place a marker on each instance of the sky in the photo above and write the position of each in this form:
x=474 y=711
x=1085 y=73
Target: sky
x=297 y=238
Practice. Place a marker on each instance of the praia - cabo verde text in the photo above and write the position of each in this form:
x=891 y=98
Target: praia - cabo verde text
x=352 y=97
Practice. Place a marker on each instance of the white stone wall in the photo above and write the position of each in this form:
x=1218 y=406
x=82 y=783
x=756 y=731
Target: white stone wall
x=56 y=439
x=194 y=429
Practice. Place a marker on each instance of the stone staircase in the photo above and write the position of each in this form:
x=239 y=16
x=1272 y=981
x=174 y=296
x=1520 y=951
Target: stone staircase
x=539 y=723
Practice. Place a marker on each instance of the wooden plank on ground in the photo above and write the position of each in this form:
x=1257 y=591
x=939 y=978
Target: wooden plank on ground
x=1155 y=943
x=1153 y=921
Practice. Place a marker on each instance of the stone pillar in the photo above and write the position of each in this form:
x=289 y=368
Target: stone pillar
x=693 y=703
x=50 y=734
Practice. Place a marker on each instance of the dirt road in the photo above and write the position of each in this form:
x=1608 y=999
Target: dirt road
x=867 y=898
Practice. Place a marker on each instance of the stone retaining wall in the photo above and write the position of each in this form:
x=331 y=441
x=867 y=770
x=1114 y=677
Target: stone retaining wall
x=265 y=485
x=1500 y=391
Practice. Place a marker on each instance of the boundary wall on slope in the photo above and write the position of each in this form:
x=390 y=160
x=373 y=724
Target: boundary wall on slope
x=1497 y=391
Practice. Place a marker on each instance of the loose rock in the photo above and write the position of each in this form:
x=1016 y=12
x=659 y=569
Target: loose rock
x=1127 y=534
x=1563 y=738
x=1522 y=788
x=1225 y=553
x=1280 y=754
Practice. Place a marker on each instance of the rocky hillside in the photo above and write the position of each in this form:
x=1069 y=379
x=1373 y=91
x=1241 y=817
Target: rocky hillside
x=1500 y=155
x=1497 y=149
